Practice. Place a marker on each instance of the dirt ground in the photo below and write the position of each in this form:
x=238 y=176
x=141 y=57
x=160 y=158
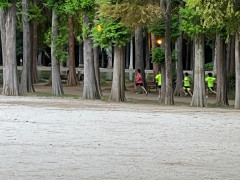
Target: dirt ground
x=66 y=138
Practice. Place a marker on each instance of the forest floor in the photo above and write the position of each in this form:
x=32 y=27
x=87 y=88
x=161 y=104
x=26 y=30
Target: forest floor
x=45 y=137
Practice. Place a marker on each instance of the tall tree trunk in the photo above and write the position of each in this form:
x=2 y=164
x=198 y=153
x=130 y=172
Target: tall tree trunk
x=118 y=83
x=110 y=57
x=81 y=60
x=96 y=69
x=90 y=90
x=221 y=98
x=179 y=67
x=34 y=50
x=72 y=76
x=163 y=86
x=26 y=80
x=148 y=41
x=131 y=53
x=139 y=64
x=34 y=53
x=168 y=56
x=232 y=57
x=127 y=56
x=8 y=39
x=155 y=65
x=57 y=88
x=199 y=99
x=237 y=71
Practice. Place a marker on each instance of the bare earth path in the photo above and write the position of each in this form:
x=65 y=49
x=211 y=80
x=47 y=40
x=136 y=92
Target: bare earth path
x=58 y=138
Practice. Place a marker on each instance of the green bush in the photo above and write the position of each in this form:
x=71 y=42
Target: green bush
x=209 y=66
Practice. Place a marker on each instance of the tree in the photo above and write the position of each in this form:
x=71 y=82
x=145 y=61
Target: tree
x=107 y=30
x=8 y=39
x=191 y=25
x=72 y=77
x=26 y=80
x=57 y=88
x=168 y=58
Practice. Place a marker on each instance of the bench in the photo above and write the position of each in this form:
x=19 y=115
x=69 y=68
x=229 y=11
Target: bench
x=151 y=85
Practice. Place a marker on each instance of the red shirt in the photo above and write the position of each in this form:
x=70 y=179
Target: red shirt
x=139 y=78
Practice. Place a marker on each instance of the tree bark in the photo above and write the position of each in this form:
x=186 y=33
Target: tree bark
x=81 y=60
x=118 y=83
x=110 y=57
x=232 y=57
x=237 y=71
x=96 y=68
x=26 y=80
x=148 y=41
x=155 y=65
x=34 y=50
x=199 y=99
x=90 y=90
x=57 y=88
x=221 y=98
x=139 y=64
x=8 y=39
x=179 y=67
x=72 y=76
x=131 y=54
x=34 y=53
x=127 y=55
x=168 y=56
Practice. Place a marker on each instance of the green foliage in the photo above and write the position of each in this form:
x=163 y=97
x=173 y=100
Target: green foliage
x=130 y=13
x=208 y=66
x=191 y=23
x=158 y=55
x=111 y=31
x=4 y=4
x=35 y=14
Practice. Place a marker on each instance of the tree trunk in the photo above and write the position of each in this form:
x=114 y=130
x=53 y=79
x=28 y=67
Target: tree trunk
x=139 y=64
x=163 y=86
x=118 y=83
x=90 y=90
x=57 y=88
x=96 y=68
x=237 y=71
x=155 y=65
x=110 y=57
x=148 y=41
x=221 y=98
x=8 y=39
x=199 y=99
x=81 y=60
x=127 y=55
x=179 y=68
x=34 y=53
x=131 y=54
x=26 y=80
x=168 y=56
x=72 y=76
x=34 y=50
x=232 y=57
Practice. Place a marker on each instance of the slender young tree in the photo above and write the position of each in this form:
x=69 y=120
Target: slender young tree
x=8 y=39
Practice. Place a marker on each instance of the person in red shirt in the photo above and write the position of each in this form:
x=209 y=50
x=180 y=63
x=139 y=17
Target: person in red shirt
x=139 y=81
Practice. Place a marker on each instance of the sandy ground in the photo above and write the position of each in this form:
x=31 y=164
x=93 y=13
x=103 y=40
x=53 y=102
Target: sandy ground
x=55 y=138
